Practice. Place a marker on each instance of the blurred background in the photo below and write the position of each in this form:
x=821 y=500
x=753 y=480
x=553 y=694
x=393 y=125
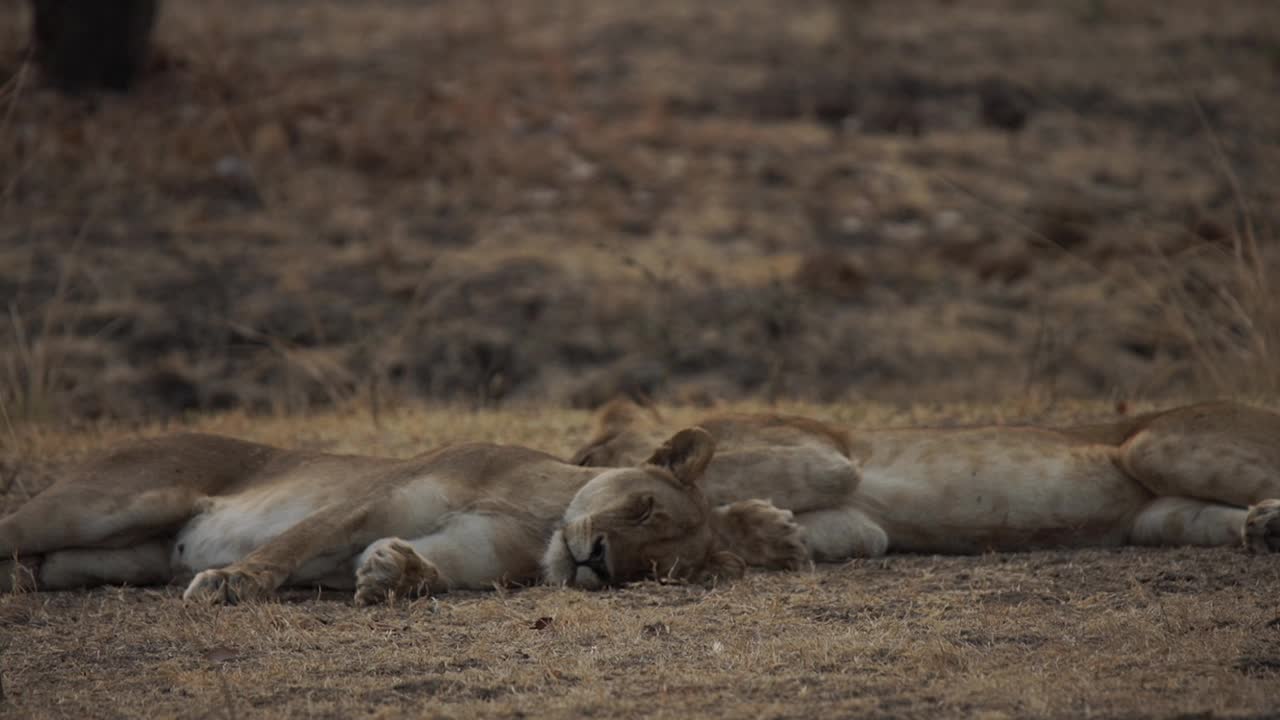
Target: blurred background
x=300 y=204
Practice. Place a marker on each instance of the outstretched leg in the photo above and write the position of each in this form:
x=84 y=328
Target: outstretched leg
x=335 y=534
x=1219 y=452
x=82 y=515
x=131 y=493
x=1187 y=521
x=144 y=564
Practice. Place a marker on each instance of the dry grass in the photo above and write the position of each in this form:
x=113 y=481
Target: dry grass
x=1048 y=634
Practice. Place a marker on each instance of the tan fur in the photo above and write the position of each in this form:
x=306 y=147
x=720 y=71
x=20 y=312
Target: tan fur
x=639 y=525
x=1198 y=475
x=246 y=519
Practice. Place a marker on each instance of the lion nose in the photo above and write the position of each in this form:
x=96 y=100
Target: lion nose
x=596 y=561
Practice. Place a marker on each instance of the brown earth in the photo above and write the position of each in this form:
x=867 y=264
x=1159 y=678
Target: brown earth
x=488 y=203
x=1126 y=633
x=1103 y=633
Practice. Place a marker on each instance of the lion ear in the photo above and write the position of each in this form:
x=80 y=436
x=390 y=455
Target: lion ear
x=686 y=454
x=591 y=455
x=722 y=565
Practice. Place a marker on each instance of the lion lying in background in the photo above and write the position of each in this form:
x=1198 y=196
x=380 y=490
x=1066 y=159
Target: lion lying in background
x=247 y=519
x=1200 y=475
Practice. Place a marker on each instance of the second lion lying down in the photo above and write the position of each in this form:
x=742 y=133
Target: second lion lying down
x=247 y=519
x=1205 y=474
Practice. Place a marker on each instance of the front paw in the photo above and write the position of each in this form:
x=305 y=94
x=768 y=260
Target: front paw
x=392 y=568
x=1261 y=532
x=228 y=586
x=764 y=535
x=787 y=549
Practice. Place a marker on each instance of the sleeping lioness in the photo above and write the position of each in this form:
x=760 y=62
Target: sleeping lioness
x=246 y=519
x=1200 y=475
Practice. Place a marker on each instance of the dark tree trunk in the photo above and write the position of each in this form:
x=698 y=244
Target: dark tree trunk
x=91 y=44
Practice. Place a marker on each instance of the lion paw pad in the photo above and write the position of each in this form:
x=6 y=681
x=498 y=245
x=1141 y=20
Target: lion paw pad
x=1262 y=527
x=766 y=535
x=226 y=587
x=394 y=568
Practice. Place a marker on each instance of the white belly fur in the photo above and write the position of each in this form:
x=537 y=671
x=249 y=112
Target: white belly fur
x=231 y=528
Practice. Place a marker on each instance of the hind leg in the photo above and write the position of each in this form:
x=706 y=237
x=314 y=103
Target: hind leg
x=144 y=564
x=82 y=515
x=131 y=493
x=1221 y=452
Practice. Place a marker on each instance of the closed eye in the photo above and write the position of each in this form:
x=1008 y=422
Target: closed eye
x=644 y=510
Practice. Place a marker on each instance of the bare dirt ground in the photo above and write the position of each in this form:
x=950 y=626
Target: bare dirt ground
x=490 y=203
x=1104 y=633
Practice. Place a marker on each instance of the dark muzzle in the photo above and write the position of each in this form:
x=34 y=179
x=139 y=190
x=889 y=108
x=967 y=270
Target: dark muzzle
x=596 y=561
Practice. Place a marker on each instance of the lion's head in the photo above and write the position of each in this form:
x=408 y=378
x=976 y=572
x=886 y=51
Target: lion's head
x=652 y=521
x=623 y=431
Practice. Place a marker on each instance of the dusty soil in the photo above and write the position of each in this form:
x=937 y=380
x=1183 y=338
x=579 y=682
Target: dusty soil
x=488 y=203
x=1131 y=633
x=1106 y=633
